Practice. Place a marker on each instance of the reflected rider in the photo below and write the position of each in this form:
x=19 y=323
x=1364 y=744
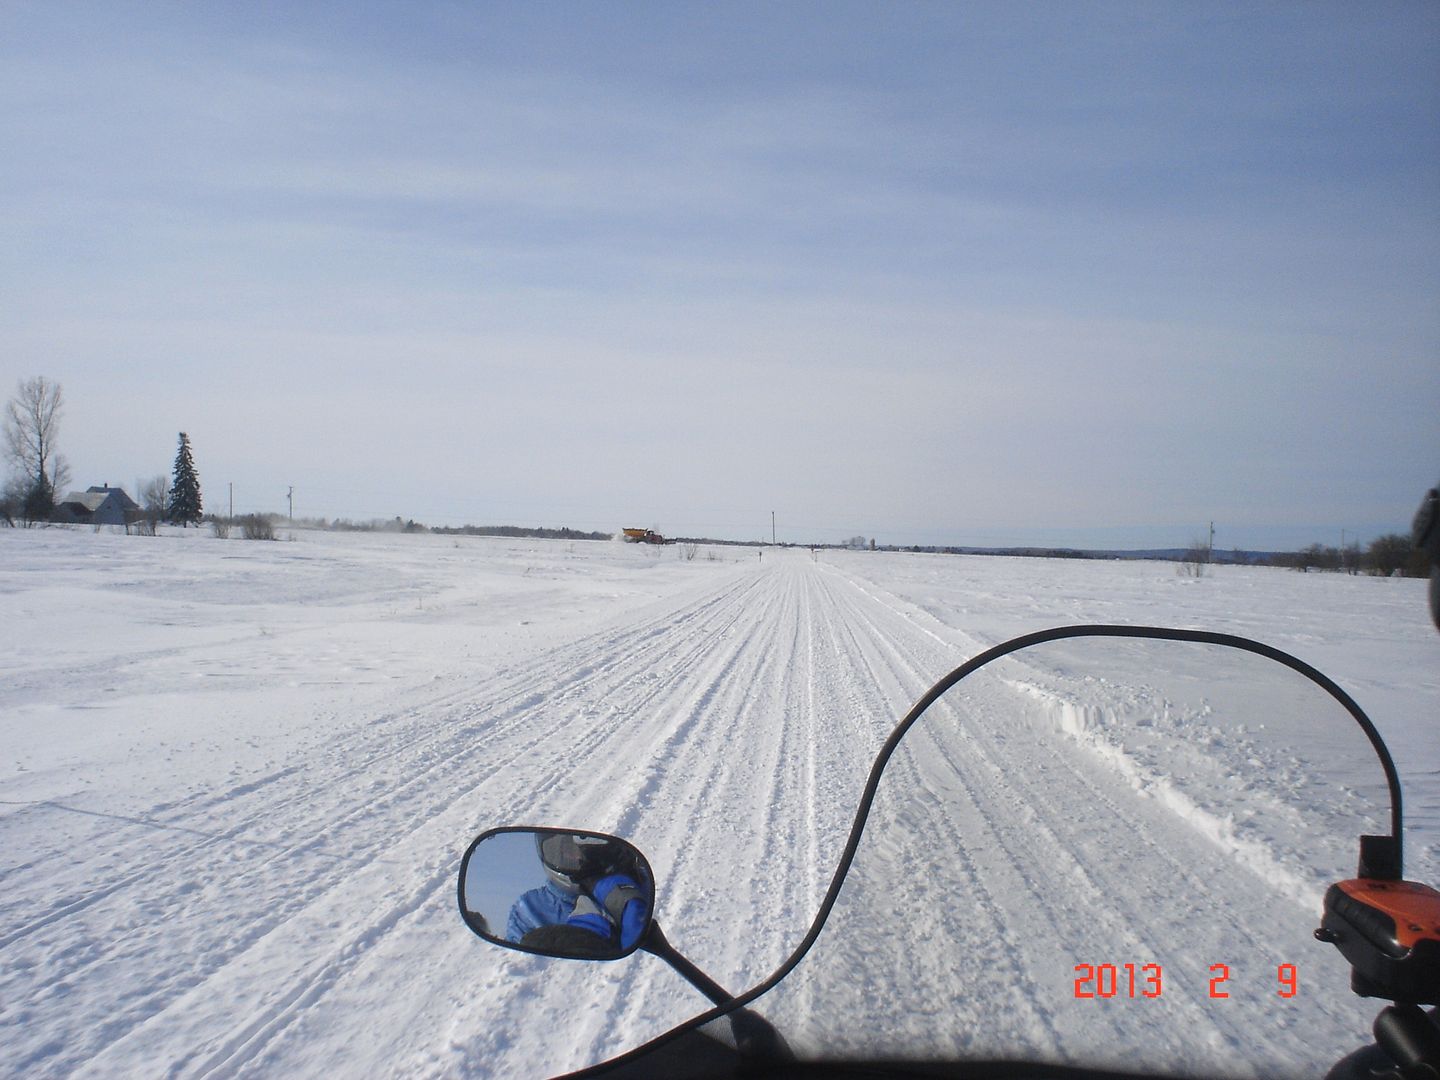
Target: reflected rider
x=592 y=898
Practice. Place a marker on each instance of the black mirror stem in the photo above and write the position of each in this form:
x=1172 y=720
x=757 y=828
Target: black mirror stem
x=654 y=942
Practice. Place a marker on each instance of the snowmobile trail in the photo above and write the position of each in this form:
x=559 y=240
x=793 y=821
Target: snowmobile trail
x=507 y=747
x=1067 y=863
x=287 y=907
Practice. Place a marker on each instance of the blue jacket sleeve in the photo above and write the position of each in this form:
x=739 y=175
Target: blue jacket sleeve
x=544 y=906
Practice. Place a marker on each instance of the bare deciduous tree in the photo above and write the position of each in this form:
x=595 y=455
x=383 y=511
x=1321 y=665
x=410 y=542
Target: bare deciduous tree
x=1390 y=554
x=257 y=527
x=32 y=421
x=1195 y=561
x=153 y=495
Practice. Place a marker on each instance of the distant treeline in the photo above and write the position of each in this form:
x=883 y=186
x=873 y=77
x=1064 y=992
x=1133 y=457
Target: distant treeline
x=1386 y=556
x=405 y=525
x=1022 y=552
x=729 y=543
x=396 y=524
x=1392 y=555
x=520 y=531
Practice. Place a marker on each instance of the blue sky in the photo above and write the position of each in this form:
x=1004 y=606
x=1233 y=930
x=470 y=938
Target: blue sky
x=989 y=273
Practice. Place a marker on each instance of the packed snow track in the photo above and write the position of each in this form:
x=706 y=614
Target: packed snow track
x=242 y=776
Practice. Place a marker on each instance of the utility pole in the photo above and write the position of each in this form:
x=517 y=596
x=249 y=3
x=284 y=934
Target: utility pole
x=290 y=497
x=1210 y=551
x=772 y=528
x=232 y=498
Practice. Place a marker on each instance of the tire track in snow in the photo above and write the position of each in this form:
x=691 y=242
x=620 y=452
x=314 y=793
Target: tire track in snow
x=887 y=662
x=622 y=675
x=1024 y=799
x=765 y=696
x=445 y=742
x=1043 y=798
x=734 y=739
x=261 y=1029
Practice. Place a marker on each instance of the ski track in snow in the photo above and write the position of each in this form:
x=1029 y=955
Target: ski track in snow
x=283 y=902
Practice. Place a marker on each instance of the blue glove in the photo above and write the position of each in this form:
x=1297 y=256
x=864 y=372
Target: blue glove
x=626 y=904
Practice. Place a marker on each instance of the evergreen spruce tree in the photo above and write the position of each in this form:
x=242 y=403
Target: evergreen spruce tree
x=39 y=501
x=185 y=488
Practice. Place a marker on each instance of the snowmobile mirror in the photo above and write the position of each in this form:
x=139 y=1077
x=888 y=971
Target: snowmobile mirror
x=559 y=892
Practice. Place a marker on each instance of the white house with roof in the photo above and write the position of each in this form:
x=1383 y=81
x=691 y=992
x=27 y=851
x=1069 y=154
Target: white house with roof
x=102 y=505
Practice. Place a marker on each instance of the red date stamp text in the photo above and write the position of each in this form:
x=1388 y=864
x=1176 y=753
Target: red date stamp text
x=1148 y=981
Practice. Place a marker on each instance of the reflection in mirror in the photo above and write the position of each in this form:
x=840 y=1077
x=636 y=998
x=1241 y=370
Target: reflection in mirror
x=578 y=895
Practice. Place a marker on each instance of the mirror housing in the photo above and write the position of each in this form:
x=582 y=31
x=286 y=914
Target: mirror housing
x=567 y=893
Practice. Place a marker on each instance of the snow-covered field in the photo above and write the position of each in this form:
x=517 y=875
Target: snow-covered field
x=238 y=778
